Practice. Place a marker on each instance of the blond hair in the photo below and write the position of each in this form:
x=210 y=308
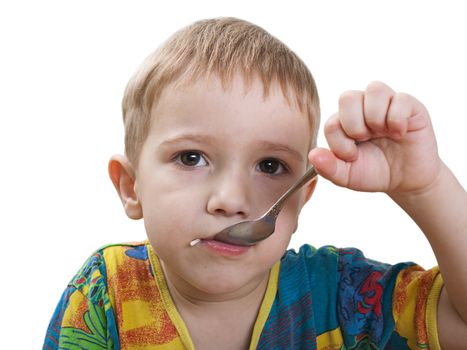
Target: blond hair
x=221 y=46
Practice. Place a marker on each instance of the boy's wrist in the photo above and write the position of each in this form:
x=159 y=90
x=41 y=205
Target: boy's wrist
x=441 y=183
x=438 y=206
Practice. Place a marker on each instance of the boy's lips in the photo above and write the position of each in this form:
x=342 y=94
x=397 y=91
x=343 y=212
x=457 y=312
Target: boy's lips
x=221 y=247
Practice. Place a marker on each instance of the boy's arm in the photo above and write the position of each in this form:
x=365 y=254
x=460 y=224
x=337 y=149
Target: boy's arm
x=441 y=213
x=383 y=141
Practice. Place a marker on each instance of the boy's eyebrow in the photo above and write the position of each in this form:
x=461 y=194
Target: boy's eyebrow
x=188 y=137
x=279 y=147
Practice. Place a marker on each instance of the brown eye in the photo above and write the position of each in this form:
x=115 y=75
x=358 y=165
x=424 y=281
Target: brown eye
x=192 y=159
x=271 y=166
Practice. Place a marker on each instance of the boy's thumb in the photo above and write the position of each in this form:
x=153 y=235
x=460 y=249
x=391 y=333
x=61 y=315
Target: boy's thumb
x=324 y=161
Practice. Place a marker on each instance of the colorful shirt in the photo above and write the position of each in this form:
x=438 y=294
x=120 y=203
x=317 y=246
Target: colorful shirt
x=325 y=298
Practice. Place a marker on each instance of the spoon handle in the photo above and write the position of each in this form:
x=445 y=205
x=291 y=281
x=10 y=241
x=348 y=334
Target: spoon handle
x=276 y=208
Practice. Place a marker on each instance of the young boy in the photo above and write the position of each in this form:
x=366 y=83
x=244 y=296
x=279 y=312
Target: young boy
x=219 y=122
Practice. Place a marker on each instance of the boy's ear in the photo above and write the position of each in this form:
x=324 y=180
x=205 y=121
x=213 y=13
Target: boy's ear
x=123 y=177
x=309 y=189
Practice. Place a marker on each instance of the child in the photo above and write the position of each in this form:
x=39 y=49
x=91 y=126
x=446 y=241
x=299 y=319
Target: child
x=219 y=122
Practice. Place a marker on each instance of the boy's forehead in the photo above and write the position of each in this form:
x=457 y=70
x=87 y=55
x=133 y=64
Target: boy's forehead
x=234 y=105
x=245 y=84
x=211 y=92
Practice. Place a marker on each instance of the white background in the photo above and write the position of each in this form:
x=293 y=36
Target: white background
x=64 y=66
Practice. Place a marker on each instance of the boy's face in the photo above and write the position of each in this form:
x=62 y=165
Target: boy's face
x=215 y=157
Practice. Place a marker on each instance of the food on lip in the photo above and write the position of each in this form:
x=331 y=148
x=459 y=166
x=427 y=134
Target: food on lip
x=195 y=242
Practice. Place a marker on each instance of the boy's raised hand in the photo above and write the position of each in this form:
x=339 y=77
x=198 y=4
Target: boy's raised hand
x=379 y=140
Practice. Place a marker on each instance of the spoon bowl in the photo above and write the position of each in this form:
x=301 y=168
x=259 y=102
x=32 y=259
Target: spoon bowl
x=248 y=233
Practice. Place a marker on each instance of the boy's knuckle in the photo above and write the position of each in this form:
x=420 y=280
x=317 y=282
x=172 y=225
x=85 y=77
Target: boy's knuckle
x=402 y=97
x=348 y=97
x=331 y=125
x=375 y=122
x=375 y=87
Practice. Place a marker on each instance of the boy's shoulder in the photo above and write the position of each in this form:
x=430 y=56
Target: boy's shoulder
x=330 y=274
x=330 y=267
x=343 y=291
x=87 y=314
x=106 y=261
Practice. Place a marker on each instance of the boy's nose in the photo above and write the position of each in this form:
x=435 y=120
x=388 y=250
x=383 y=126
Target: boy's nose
x=230 y=196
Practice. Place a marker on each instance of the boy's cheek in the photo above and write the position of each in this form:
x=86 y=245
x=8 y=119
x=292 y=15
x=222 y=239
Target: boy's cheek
x=161 y=219
x=287 y=221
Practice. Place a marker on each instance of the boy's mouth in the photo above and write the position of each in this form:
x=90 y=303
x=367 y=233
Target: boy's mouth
x=220 y=247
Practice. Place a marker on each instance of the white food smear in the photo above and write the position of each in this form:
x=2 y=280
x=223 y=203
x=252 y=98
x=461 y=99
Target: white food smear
x=195 y=242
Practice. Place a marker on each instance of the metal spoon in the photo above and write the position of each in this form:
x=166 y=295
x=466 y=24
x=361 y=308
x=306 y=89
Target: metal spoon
x=250 y=232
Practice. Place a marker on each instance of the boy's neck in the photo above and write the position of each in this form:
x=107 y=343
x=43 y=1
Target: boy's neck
x=211 y=320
